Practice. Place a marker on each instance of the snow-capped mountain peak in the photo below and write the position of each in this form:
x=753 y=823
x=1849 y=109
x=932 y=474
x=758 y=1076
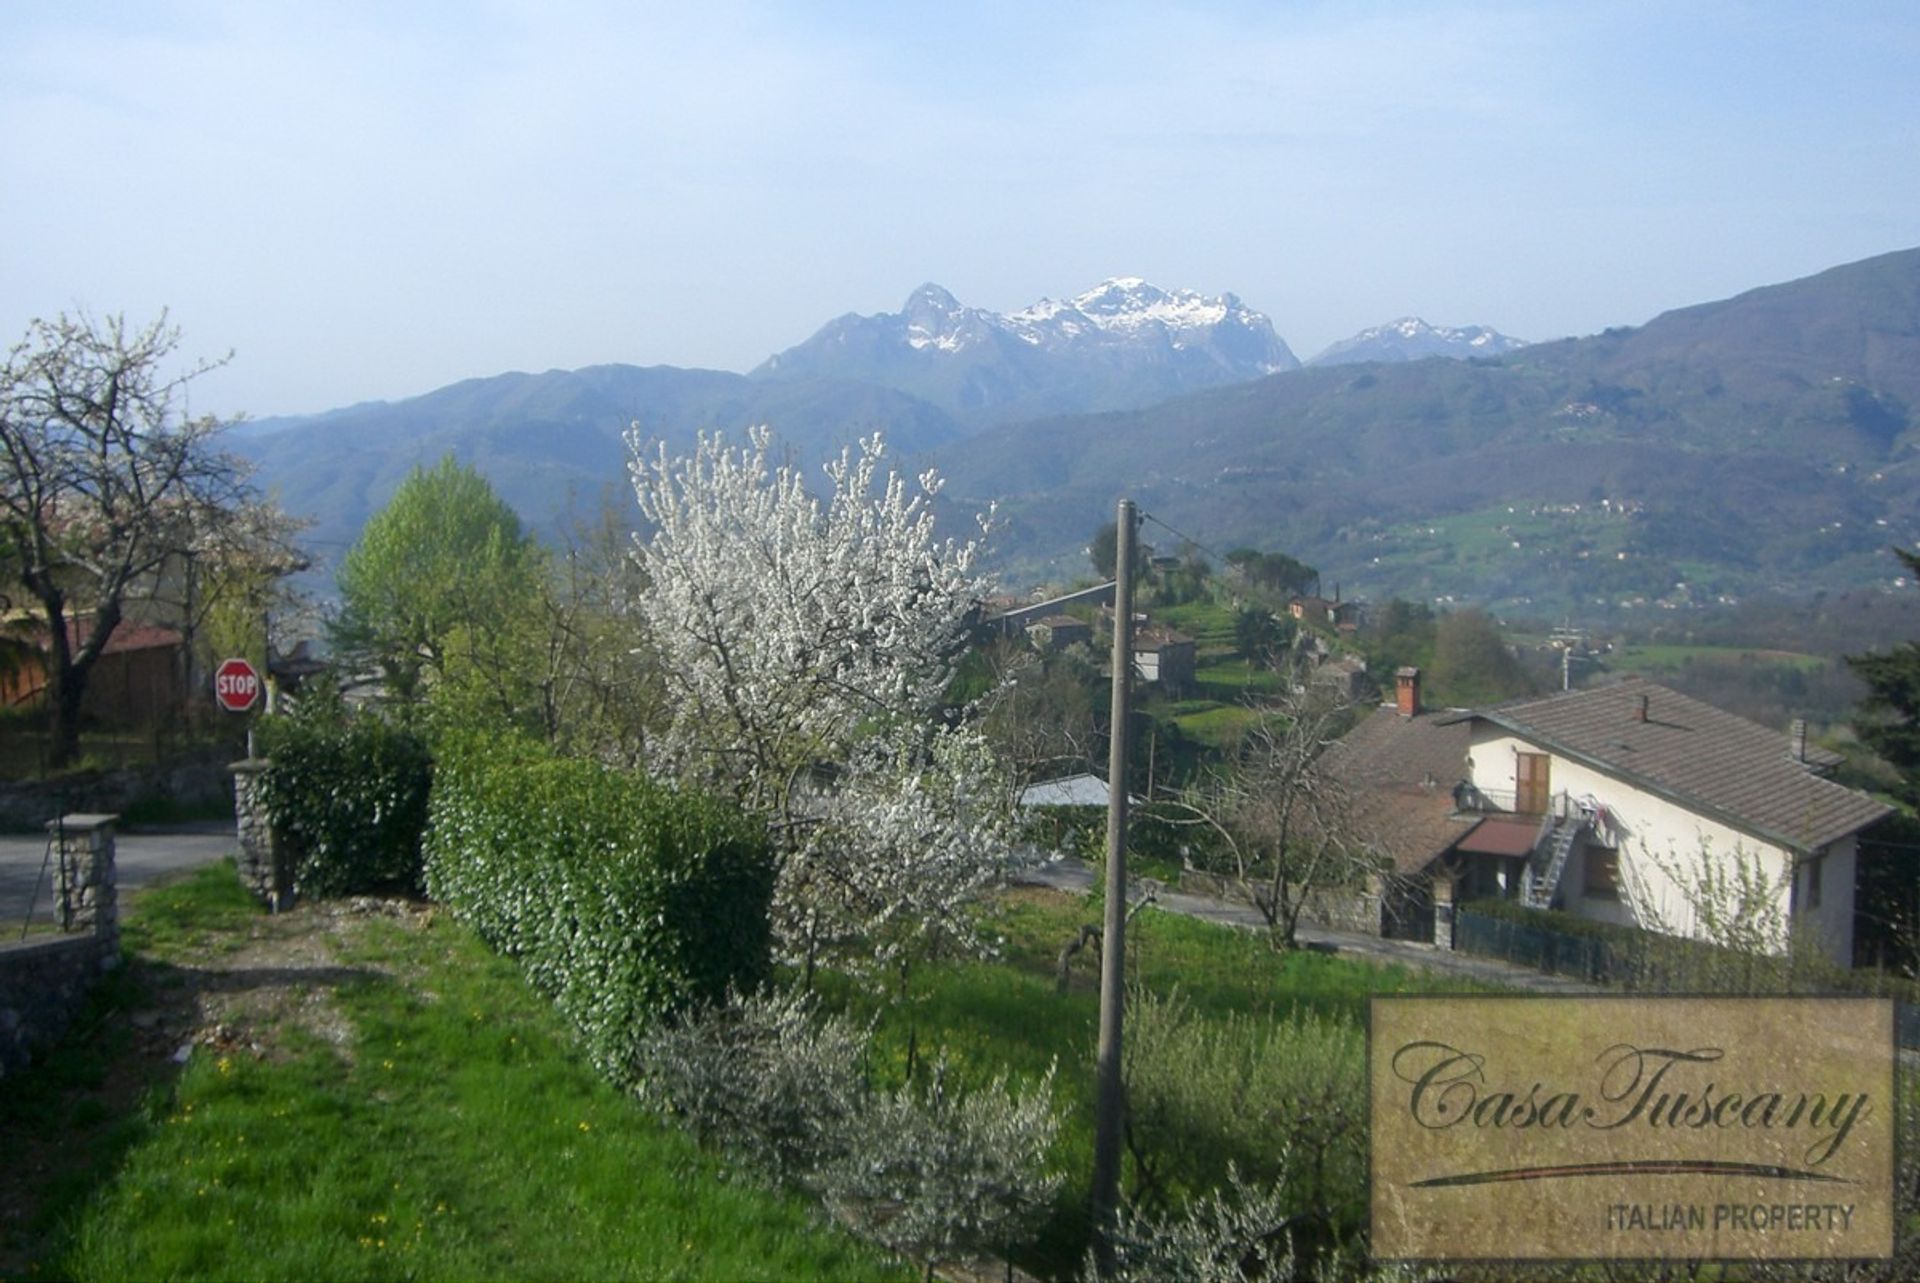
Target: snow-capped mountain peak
x=1412 y=339
x=934 y=318
x=1137 y=339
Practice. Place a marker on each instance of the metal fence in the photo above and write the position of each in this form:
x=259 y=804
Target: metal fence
x=1652 y=964
x=1559 y=953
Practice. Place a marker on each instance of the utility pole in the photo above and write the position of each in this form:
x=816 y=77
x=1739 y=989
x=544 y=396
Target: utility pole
x=1110 y=1097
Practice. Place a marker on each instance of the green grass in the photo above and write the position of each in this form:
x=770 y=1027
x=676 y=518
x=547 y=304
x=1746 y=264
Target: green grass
x=1667 y=659
x=1231 y=679
x=458 y=1135
x=1209 y=623
x=206 y=911
x=1219 y=727
x=1007 y=1015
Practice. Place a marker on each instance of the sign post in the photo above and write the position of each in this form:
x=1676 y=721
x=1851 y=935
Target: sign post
x=236 y=685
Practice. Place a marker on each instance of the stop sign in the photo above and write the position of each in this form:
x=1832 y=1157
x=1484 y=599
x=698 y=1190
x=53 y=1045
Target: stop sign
x=236 y=684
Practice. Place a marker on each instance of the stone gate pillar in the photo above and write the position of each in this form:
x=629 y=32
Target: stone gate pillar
x=264 y=870
x=88 y=885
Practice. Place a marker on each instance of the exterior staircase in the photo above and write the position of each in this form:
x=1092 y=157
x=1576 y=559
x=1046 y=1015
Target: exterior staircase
x=1550 y=857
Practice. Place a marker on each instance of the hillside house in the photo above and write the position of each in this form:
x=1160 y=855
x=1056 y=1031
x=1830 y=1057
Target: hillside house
x=1343 y=675
x=1604 y=803
x=1165 y=657
x=1401 y=768
x=1010 y=620
x=1634 y=786
x=1057 y=632
x=1323 y=612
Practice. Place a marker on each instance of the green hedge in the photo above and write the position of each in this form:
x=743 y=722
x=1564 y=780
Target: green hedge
x=626 y=901
x=348 y=794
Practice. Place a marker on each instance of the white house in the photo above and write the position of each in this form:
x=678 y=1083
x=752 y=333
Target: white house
x=1619 y=802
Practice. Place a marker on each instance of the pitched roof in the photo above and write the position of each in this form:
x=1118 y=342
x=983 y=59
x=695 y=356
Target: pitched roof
x=1400 y=772
x=1072 y=790
x=1696 y=755
x=126 y=637
x=1154 y=639
x=1388 y=749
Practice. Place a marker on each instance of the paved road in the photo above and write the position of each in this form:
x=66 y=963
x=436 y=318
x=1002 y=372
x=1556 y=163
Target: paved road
x=140 y=856
x=1073 y=874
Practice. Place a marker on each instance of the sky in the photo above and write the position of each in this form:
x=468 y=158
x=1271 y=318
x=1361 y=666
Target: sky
x=370 y=201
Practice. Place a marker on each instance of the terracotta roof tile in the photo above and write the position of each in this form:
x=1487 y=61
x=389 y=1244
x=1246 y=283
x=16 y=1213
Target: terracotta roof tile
x=1400 y=772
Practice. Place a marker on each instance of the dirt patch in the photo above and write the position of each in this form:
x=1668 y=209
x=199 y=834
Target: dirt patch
x=279 y=984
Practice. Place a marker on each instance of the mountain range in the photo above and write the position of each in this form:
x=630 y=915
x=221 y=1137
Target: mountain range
x=1412 y=339
x=1764 y=442
x=1122 y=344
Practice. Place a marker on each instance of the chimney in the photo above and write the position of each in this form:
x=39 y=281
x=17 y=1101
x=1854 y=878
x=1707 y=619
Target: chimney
x=1640 y=713
x=1407 y=691
x=1797 y=739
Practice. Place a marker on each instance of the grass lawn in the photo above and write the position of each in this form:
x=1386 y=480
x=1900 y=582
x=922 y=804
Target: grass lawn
x=418 y=1112
x=413 y=1109
x=1220 y=727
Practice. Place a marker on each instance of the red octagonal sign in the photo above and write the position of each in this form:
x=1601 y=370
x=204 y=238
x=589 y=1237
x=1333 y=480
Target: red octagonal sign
x=236 y=684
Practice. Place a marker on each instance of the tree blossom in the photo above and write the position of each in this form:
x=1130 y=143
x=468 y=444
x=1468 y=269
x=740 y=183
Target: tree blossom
x=806 y=646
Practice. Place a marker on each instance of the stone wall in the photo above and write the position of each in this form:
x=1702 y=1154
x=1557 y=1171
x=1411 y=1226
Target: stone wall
x=200 y=779
x=45 y=982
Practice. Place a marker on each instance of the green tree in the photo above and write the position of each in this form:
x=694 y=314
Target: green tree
x=437 y=581
x=1104 y=551
x=1275 y=571
x=1259 y=635
x=1401 y=635
x=1472 y=663
x=1890 y=720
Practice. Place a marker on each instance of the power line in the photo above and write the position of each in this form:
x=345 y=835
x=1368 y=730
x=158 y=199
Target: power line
x=1181 y=534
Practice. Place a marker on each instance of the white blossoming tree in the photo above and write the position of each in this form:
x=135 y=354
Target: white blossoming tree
x=806 y=645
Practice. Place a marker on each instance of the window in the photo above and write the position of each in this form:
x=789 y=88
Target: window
x=1603 y=874
x=1813 y=868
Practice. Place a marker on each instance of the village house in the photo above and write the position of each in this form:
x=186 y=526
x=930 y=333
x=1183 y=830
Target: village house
x=1057 y=632
x=1011 y=619
x=139 y=679
x=1323 y=612
x=1605 y=803
x=1164 y=657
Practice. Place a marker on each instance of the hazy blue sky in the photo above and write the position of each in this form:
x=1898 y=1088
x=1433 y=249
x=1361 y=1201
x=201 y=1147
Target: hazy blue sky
x=373 y=200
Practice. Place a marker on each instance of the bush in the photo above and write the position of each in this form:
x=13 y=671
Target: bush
x=1281 y=1102
x=1229 y=1236
x=935 y=1175
x=348 y=794
x=942 y=1176
x=762 y=1078
x=624 y=900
